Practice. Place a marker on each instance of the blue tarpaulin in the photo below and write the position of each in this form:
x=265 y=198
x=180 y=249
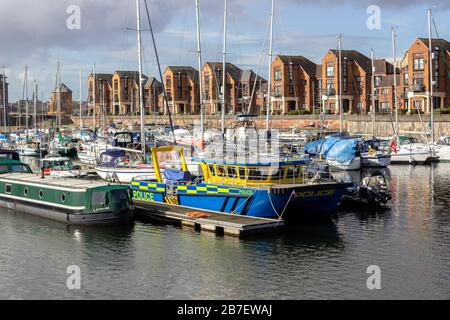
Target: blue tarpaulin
x=177 y=175
x=314 y=147
x=339 y=149
x=342 y=151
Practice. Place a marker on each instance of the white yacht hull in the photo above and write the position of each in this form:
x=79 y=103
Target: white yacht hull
x=355 y=164
x=124 y=175
x=377 y=161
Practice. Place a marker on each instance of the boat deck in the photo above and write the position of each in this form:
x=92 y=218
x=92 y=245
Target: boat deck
x=68 y=183
x=212 y=221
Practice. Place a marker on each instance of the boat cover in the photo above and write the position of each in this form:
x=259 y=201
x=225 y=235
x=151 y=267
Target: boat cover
x=177 y=175
x=342 y=151
x=333 y=148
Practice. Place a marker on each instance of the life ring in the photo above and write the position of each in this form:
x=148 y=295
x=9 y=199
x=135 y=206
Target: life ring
x=372 y=152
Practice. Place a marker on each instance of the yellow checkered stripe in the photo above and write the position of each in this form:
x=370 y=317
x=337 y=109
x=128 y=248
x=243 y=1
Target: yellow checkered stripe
x=148 y=186
x=208 y=189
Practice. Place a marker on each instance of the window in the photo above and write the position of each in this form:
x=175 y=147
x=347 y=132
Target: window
x=25 y=191
x=385 y=106
x=277 y=74
x=20 y=168
x=8 y=189
x=63 y=198
x=277 y=91
x=330 y=71
x=4 y=169
x=360 y=82
x=378 y=81
x=405 y=79
x=418 y=64
x=232 y=172
x=98 y=199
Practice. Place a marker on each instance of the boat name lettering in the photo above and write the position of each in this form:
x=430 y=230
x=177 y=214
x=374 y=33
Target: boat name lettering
x=142 y=195
x=320 y=193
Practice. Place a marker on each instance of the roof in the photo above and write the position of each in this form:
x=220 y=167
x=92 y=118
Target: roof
x=319 y=71
x=103 y=76
x=382 y=66
x=442 y=44
x=65 y=88
x=232 y=70
x=150 y=82
x=352 y=55
x=388 y=81
x=306 y=64
x=188 y=70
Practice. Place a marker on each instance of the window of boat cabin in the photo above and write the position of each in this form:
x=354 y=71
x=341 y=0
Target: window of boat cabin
x=4 y=169
x=232 y=172
x=221 y=171
x=20 y=168
x=99 y=199
x=242 y=174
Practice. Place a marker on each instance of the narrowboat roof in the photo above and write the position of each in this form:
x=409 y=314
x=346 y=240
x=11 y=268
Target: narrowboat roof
x=250 y=164
x=59 y=183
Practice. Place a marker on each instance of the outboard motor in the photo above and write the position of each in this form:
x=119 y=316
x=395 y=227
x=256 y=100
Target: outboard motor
x=374 y=189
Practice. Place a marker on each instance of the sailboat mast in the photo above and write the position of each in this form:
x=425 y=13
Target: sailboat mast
x=81 y=98
x=35 y=105
x=431 y=66
x=26 y=99
x=373 y=111
x=200 y=85
x=269 y=86
x=224 y=71
x=4 y=99
x=394 y=53
x=341 y=129
x=141 y=93
x=93 y=94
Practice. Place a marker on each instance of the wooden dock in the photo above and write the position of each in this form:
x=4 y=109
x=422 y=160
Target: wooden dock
x=209 y=221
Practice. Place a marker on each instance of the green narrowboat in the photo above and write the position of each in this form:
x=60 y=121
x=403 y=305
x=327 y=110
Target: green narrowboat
x=73 y=201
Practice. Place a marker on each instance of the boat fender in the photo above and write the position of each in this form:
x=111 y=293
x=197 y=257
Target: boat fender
x=195 y=214
x=372 y=152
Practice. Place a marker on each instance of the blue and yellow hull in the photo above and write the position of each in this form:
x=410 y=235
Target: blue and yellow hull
x=264 y=202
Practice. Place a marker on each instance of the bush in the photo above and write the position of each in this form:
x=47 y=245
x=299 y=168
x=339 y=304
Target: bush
x=293 y=113
x=445 y=111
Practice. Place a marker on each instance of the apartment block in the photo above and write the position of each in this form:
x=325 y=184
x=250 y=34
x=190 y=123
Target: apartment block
x=294 y=81
x=181 y=84
x=60 y=102
x=103 y=98
x=415 y=76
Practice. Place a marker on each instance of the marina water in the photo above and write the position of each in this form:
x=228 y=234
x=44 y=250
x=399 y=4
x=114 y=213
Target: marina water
x=409 y=241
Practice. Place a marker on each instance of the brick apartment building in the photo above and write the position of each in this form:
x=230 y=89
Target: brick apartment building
x=152 y=92
x=181 y=83
x=294 y=82
x=103 y=89
x=62 y=100
x=415 y=76
x=3 y=94
x=212 y=79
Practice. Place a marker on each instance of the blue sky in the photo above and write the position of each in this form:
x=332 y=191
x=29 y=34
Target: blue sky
x=38 y=37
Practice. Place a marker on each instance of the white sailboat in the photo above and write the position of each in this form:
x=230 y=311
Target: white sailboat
x=374 y=157
x=408 y=151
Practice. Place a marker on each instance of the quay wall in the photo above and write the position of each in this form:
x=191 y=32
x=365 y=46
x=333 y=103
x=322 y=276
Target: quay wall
x=352 y=124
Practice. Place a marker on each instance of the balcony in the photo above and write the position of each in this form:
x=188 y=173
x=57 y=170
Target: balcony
x=418 y=87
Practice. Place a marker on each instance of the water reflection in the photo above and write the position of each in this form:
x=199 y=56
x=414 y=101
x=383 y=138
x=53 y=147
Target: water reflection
x=409 y=240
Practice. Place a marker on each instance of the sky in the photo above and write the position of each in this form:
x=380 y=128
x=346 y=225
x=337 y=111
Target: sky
x=35 y=34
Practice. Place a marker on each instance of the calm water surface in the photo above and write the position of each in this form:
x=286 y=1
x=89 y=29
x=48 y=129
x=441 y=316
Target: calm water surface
x=409 y=241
